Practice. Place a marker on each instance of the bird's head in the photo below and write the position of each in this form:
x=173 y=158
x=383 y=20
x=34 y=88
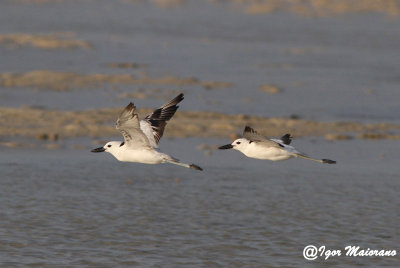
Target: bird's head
x=110 y=147
x=238 y=144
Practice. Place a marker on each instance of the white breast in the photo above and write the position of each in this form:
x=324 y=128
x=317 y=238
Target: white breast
x=267 y=153
x=145 y=156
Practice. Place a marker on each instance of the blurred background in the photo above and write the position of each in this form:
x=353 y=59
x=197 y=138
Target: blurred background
x=325 y=71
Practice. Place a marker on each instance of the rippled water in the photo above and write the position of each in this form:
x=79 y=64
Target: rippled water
x=340 y=68
x=74 y=208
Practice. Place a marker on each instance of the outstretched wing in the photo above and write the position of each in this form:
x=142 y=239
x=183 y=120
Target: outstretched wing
x=153 y=125
x=252 y=135
x=128 y=125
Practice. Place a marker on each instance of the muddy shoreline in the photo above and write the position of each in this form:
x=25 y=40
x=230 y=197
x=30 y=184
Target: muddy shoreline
x=65 y=40
x=64 y=81
x=43 y=124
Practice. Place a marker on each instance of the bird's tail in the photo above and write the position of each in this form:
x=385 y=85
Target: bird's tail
x=176 y=162
x=323 y=161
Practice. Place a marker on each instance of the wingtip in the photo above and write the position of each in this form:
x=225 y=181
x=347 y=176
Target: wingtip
x=173 y=102
x=287 y=138
x=196 y=167
x=130 y=106
x=248 y=129
x=328 y=161
x=178 y=99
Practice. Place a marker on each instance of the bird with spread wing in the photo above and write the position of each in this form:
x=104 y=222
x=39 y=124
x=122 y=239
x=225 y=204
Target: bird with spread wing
x=141 y=137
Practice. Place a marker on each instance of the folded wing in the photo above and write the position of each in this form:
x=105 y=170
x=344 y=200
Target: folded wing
x=252 y=135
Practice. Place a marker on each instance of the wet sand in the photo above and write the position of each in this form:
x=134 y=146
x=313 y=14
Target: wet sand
x=44 y=41
x=321 y=7
x=43 y=124
x=61 y=81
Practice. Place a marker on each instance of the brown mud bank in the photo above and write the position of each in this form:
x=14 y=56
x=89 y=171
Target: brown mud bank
x=44 y=41
x=320 y=7
x=61 y=81
x=99 y=124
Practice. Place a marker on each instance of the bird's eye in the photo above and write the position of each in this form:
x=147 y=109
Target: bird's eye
x=109 y=145
x=238 y=142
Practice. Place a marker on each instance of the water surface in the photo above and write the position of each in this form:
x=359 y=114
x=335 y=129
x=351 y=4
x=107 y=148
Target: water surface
x=71 y=207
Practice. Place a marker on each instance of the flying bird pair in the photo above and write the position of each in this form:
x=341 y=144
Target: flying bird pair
x=141 y=138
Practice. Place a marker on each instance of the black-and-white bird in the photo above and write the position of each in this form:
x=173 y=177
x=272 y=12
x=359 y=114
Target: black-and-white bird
x=256 y=146
x=141 y=137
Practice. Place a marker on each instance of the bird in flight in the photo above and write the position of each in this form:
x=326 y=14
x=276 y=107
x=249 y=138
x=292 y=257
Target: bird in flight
x=254 y=145
x=141 y=137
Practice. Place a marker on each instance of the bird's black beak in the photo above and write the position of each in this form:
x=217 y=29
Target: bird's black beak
x=98 y=150
x=224 y=147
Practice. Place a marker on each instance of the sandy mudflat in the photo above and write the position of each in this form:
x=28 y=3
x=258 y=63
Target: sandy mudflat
x=320 y=7
x=38 y=124
x=43 y=41
x=59 y=81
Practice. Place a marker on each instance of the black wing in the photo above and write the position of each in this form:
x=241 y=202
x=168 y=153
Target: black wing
x=159 y=117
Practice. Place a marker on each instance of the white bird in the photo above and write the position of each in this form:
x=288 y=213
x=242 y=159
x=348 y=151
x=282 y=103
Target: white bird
x=141 y=137
x=254 y=145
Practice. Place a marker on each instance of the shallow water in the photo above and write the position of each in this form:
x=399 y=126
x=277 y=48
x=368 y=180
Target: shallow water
x=71 y=207
x=338 y=68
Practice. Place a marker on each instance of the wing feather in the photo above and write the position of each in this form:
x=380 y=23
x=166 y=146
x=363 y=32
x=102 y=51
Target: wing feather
x=154 y=124
x=128 y=125
x=252 y=135
x=286 y=139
